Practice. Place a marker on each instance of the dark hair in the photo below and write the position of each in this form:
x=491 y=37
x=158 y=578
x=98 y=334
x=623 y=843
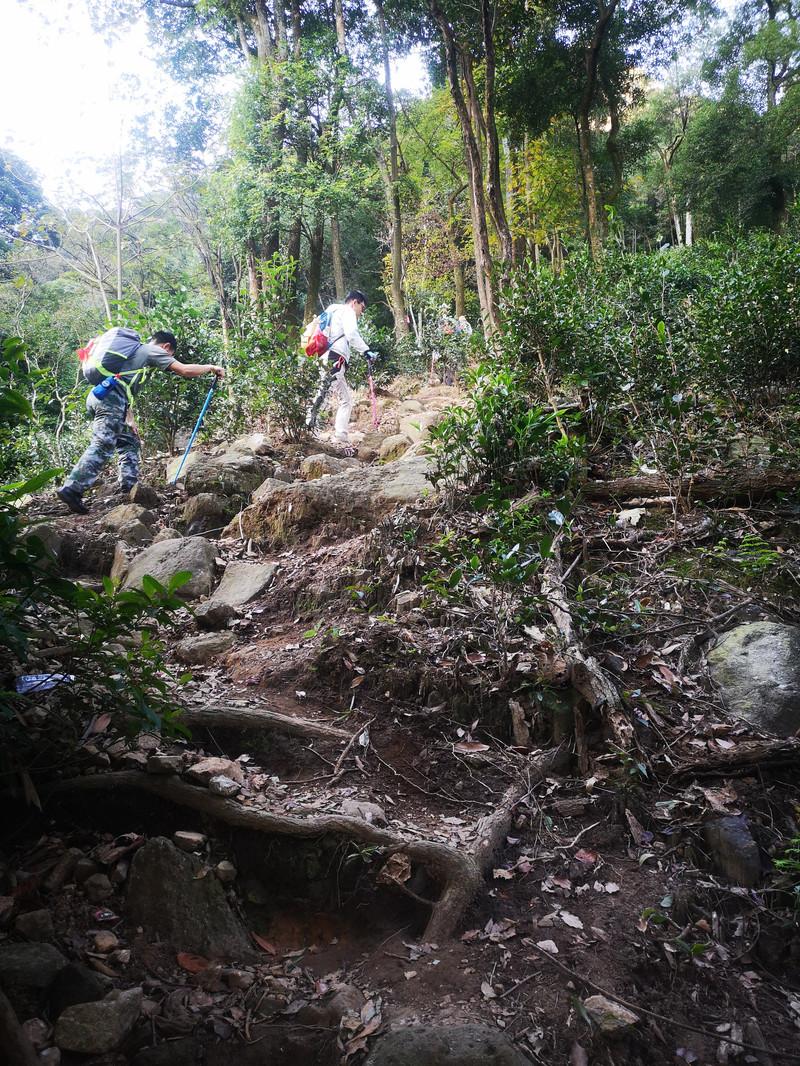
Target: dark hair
x=161 y=336
x=356 y=294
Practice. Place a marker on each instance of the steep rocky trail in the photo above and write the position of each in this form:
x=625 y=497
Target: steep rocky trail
x=381 y=818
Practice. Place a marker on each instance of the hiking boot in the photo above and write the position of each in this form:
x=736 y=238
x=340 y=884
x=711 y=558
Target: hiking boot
x=73 y=500
x=125 y=488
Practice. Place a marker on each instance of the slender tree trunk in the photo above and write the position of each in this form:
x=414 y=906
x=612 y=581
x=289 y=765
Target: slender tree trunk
x=459 y=284
x=253 y=278
x=494 y=187
x=395 y=214
x=316 y=246
x=689 y=230
x=291 y=312
x=100 y=283
x=338 y=262
x=483 y=260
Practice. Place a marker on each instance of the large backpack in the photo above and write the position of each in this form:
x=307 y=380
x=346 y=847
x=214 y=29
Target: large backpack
x=106 y=356
x=315 y=340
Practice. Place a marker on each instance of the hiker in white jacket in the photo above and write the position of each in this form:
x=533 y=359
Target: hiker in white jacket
x=344 y=339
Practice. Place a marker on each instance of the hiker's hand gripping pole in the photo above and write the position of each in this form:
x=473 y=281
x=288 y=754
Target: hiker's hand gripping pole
x=214 y=383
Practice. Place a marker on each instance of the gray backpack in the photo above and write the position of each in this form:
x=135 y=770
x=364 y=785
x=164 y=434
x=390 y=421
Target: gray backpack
x=109 y=354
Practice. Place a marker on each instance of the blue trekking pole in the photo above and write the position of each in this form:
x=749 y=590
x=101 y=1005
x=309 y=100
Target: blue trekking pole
x=195 y=430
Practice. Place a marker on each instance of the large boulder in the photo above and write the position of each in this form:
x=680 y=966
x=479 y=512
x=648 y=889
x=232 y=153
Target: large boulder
x=162 y=561
x=757 y=669
x=95 y=1028
x=446 y=1045
x=268 y=486
x=26 y=972
x=393 y=447
x=233 y=473
x=243 y=582
x=357 y=497
x=169 y=896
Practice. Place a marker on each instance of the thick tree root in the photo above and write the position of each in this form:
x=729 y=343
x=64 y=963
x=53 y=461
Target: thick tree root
x=741 y=485
x=745 y=755
x=226 y=717
x=585 y=673
x=459 y=873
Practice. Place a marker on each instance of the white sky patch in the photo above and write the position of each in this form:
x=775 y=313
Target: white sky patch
x=410 y=75
x=70 y=100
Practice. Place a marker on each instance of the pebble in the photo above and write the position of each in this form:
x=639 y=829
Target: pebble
x=98 y=888
x=105 y=941
x=223 y=786
x=225 y=871
x=187 y=841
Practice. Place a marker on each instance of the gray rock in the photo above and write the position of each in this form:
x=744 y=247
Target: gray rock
x=167 y=533
x=268 y=486
x=204 y=648
x=84 y=868
x=35 y=925
x=445 y=1045
x=213 y=766
x=231 y=474
x=188 y=841
x=206 y=512
x=98 y=887
x=243 y=582
x=328 y=1012
x=126 y=513
x=38 y=1032
x=251 y=444
x=145 y=496
x=226 y=872
x=417 y=427
x=284 y=473
x=314 y=466
x=733 y=849
x=169 y=900
x=405 y=602
x=47 y=534
x=393 y=447
x=610 y=1017
x=369 y=812
x=757 y=669
x=124 y=554
x=95 y=1028
x=162 y=561
x=76 y=984
x=214 y=615
x=29 y=965
x=135 y=533
x=223 y=786
x=361 y=496
x=164 y=764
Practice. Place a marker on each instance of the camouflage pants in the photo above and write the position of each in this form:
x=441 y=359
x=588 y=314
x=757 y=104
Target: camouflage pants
x=109 y=434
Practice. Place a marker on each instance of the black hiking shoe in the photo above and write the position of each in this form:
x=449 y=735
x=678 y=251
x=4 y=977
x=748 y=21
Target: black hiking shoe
x=73 y=500
x=124 y=489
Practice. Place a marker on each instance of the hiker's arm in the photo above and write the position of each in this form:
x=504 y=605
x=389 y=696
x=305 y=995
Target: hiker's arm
x=351 y=332
x=195 y=370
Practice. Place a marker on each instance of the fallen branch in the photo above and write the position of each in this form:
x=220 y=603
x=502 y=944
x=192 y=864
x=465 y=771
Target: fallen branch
x=585 y=674
x=459 y=874
x=737 y=485
x=227 y=717
x=746 y=753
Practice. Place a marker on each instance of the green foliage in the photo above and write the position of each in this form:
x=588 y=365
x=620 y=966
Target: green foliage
x=114 y=659
x=789 y=866
x=499 y=441
x=752 y=555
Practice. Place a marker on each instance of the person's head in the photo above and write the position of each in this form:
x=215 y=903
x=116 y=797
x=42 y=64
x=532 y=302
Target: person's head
x=358 y=301
x=167 y=341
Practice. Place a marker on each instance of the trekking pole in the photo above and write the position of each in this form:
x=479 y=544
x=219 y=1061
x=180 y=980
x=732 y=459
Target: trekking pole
x=373 y=400
x=196 y=429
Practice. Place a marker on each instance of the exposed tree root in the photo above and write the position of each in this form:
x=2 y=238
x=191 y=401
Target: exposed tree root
x=746 y=754
x=15 y=1047
x=585 y=674
x=737 y=485
x=227 y=717
x=459 y=873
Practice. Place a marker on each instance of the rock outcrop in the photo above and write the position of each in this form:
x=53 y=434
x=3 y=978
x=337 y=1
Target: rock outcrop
x=162 y=561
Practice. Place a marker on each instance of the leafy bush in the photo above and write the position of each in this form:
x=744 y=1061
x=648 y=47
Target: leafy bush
x=499 y=440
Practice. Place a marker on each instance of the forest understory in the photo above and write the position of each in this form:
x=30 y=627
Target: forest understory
x=436 y=815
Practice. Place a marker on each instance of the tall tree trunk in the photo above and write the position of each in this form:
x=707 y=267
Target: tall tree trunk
x=494 y=187
x=459 y=283
x=591 y=57
x=291 y=311
x=253 y=276
x=316 y=245
x=338 y=263
x=393 y=191
x=483 y=260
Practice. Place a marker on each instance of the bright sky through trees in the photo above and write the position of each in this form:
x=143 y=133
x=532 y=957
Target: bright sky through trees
x=70 y=101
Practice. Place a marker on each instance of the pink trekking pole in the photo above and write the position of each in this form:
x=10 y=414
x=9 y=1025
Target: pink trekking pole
x=373 y=399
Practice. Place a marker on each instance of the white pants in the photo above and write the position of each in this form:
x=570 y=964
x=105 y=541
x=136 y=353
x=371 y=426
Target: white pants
x=340 y=388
